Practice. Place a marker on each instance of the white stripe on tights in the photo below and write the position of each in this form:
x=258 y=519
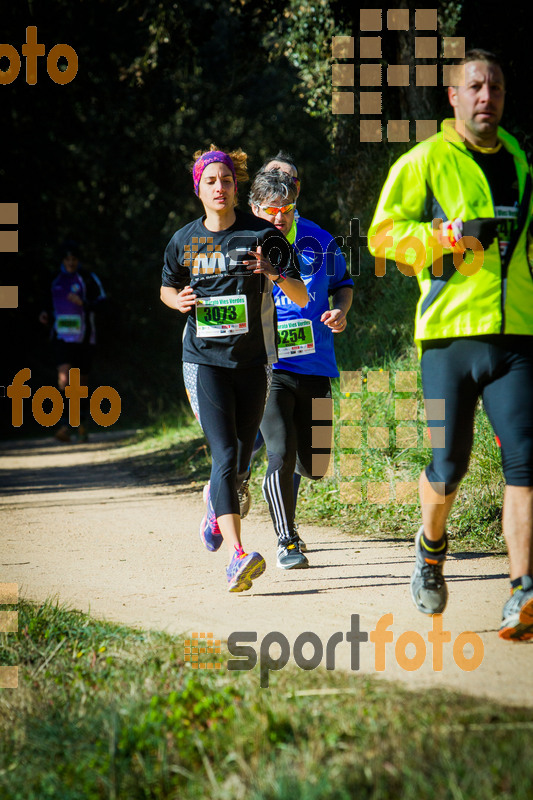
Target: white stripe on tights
x=276 y=501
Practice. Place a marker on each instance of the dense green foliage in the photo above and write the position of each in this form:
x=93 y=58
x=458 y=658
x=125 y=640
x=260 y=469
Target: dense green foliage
x=105 y=157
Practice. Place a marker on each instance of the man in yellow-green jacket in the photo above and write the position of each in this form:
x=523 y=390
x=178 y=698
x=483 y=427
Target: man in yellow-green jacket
x=455 y=211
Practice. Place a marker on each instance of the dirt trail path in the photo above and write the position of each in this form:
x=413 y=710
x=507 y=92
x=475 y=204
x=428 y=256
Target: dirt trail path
x=76 y=524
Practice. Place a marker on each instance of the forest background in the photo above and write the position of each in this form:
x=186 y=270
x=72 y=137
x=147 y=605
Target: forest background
x=104 y=159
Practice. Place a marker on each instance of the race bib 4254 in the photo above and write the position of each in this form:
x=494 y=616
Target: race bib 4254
x=295 y=338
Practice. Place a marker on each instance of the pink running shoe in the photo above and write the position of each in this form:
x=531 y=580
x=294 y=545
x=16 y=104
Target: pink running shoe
x=209 y=530
x=243 y=569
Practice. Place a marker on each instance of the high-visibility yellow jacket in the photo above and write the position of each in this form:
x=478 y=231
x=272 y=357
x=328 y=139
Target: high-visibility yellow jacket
x=439 y=178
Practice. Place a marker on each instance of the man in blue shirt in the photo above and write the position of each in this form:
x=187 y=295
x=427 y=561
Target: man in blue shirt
x=300 y=395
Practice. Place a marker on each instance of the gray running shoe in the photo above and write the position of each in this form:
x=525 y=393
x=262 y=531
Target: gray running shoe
x=290 y=555
x=245 y=499
x=301 y=543
x=428 y=587
x=517 y=621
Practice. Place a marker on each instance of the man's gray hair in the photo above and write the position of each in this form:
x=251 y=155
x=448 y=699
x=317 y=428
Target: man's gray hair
x=273 y=185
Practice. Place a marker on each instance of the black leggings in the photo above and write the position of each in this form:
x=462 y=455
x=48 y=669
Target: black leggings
x=500 y=370
x=228 y=404
x=287 y=428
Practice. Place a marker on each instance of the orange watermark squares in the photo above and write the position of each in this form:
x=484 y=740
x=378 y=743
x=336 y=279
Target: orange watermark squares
x=9 y=624
x=405 y=380
x=370 y=19
x=426 y=75
x=370 y=47
x=370 y=130
x=9 y=295
x=9 y=594
x=350 y=410
x=406 y=492
x=377 y=437
x=377 y=381
x=460 y=131
x=190 y=251
x=370 y=75
x=426 y=47
x=398 y=130
x=342 y=103
x=435 y=409
x=350 y=465
x=9 y=240
x=200 y=649
x=453 y=75
x=322 y=408
x=370 y=103
x=9 y=213
x=426 y=19
x=405 y=409
x=377 y=492
x=321 y=436
x=342 y=46
x=9 y=621
x=406 y=436
x=9 y=677
x=351 y=493
x=322 y=465
x=398 y=19
x=351 y=436
x=453 y=47
x=433 y=492
x=434 y=437
x=425 y=128
x=342 y=75
x=351 y=382
x=398 y=75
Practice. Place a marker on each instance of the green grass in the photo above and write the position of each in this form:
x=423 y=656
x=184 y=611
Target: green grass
x=103 y=711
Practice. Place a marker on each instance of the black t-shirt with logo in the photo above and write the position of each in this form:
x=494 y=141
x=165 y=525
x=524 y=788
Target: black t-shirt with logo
x=500 y=172
x=231 y=298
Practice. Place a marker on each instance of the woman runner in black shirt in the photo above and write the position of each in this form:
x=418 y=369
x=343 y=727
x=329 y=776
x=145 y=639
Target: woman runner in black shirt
x=219 y=270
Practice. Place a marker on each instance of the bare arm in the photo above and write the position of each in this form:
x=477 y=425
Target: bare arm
x=335 y=318
x=180 y=301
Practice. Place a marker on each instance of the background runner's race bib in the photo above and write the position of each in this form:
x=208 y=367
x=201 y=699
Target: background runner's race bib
x=506 y=216
x=221 y=316
x=295 y=338
x=68 y=323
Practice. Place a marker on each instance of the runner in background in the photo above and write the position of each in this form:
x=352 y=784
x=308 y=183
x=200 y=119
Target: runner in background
x=219 y=270
x=300 y=396
x=76 y=294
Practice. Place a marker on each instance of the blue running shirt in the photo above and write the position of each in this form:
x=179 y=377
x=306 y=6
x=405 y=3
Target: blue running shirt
x=323 y=270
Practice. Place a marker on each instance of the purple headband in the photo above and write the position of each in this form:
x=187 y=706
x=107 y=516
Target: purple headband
x=210 y=158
